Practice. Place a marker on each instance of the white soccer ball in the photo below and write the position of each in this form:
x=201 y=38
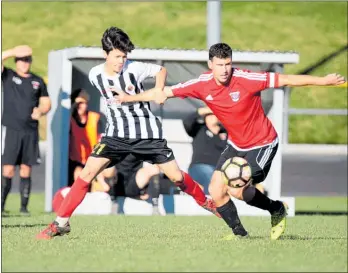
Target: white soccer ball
x=236 y=172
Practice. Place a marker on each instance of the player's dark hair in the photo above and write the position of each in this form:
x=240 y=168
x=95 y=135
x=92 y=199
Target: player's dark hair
x=220 y=50
x=116 y=38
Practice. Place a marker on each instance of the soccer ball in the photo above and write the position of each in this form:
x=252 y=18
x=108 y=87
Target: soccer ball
x=236 y=172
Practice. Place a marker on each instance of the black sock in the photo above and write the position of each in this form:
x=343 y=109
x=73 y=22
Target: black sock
x=6 y=184
x=254 y=197
x=24 y=188
x=229 y=213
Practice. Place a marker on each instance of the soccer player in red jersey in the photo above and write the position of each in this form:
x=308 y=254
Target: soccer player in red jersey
x=234 y=97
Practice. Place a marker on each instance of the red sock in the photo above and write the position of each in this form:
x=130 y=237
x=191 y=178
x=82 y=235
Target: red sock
x=73 y=198
x=192 y=188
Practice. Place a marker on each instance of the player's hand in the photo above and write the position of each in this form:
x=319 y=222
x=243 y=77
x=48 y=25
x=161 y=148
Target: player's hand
x=36 y=114
x=22 y=51
x=119 y=95
x=334 y=79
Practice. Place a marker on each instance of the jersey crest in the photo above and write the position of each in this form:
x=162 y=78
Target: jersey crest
x=235 y=96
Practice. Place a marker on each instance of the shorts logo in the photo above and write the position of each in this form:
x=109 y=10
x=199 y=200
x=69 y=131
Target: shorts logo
x=35 y=84
x=235 y=96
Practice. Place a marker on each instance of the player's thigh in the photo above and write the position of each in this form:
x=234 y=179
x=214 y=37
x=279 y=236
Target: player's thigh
x=217 y=189
x=113 y=149
x=30 y=148
x=11 y=146
x=158 y=152
x=260 y=161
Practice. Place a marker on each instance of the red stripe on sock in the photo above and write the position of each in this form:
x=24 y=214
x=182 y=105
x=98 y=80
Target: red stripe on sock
x=74 y=198
x=192 y=188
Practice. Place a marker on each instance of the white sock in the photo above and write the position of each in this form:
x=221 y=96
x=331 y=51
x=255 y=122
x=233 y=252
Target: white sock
x=62 y=221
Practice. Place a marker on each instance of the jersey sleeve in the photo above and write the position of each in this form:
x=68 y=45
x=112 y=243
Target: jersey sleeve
x=43 y=89
x=91 y=77
x=6 y=73
x=145 y=70
x=187 y=89
x=257 y=81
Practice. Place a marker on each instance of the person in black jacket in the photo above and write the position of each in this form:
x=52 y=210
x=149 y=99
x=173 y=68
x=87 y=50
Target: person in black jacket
x=209 y=140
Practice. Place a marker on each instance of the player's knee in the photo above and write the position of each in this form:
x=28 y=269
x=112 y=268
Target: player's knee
x=88 y=173
x=8 y=171
x=24 y=171
x=217 y=190
x=176 y=177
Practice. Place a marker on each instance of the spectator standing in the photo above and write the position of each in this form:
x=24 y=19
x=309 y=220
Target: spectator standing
x=25 y=100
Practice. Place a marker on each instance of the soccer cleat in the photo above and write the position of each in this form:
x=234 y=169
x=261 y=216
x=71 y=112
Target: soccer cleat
x=53 y=230
x=278 y=221
x=237 y=233
x=24 y=212
x=209 y=205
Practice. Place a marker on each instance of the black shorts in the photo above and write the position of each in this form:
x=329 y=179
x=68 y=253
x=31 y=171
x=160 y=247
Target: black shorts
x=117 y=149
x=20 y=147
x=260 y=159
x=126 y=178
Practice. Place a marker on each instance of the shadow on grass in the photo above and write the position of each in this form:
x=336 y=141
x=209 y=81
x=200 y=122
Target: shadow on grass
x=23 y=225
x=309 y=238
x=327 y=213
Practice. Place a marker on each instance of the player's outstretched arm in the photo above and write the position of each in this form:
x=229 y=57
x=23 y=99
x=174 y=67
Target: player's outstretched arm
x=156 y=94
x=303 y=80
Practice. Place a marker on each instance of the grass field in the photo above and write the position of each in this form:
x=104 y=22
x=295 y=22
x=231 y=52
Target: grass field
x=119 y=243
x=312 y=29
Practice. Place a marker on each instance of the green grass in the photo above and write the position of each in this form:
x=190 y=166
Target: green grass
x=119 y=243
x=313 y=29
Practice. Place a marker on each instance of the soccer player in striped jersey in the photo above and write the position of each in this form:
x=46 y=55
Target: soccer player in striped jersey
x=131 y=129
x=234 y=97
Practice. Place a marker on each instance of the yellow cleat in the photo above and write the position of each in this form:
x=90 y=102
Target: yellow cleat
x=278 y=221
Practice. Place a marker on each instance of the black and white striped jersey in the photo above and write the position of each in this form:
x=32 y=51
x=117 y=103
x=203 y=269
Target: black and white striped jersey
x=127 y=120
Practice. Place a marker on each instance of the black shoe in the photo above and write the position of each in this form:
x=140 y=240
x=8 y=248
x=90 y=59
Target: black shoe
x=240 y=231
x=24 y=212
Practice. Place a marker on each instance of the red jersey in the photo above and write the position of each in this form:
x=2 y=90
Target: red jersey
x=238 y=105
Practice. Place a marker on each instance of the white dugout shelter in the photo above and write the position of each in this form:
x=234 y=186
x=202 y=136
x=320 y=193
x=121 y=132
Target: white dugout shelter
x=68 y=69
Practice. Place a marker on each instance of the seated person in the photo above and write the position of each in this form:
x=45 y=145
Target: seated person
x=133 y=178
x=209 y=139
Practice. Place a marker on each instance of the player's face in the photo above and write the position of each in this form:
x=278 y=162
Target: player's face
x=115 y=60
x=23 y=67
x=221 y=68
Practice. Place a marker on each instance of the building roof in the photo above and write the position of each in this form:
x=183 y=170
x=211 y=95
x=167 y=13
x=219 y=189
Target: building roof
x=165 y=54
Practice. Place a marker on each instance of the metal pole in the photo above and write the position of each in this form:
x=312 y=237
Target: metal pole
x=277 y=120
x=213 y=22
x=286 y=115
